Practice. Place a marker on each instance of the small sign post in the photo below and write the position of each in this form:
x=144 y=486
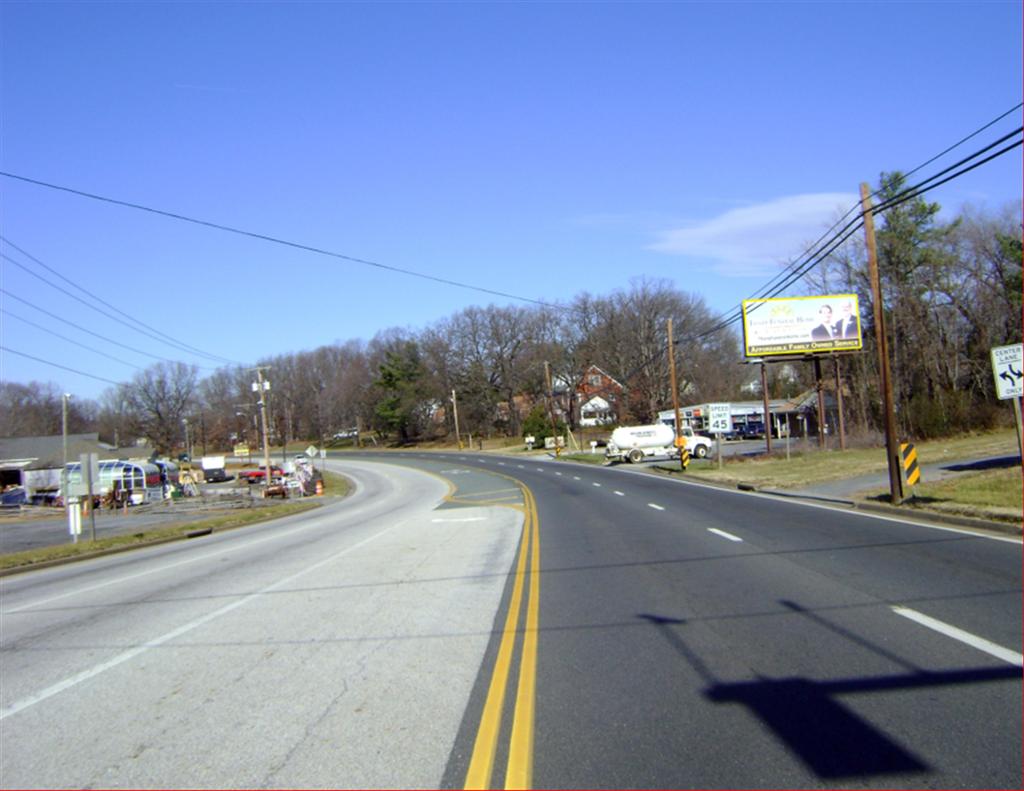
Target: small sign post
x=89 y=463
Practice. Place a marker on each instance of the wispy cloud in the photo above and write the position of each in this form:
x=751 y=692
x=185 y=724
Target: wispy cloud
x=753 y=240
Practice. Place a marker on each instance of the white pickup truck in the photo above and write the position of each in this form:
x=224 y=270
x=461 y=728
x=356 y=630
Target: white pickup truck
x=635 y=443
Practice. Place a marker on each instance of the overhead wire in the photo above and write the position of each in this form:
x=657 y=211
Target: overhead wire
x=90 y=332
x=150 y=332
x=274 y=239
x=818 y=252
x=813 y=256
x=69 y=340
x=58 y=365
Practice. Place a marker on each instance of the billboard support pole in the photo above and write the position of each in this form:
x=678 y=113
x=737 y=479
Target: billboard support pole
x=839 y=405
x=767 y=416
x=892 y=449
x=820 y=387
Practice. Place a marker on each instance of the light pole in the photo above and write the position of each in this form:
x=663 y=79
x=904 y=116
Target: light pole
x=188 y=452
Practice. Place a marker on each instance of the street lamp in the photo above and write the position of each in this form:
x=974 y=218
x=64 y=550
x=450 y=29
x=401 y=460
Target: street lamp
x=188 y=450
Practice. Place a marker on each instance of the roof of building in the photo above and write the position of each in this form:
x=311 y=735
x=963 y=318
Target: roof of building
x=44 y=453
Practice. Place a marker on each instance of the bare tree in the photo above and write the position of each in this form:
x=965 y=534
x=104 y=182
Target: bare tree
x=35 y=410
x=157 y=399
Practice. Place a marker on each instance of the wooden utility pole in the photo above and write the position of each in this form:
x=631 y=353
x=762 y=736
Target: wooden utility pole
x=675 y=393
x=892 y=448
x=551 y=407
x=261 y=387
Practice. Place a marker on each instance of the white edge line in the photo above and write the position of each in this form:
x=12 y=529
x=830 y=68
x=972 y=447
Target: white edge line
x=723 y=534
x=852 y=511
x=964 y=637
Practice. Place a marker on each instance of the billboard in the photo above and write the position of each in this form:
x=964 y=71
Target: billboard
x=801 y=325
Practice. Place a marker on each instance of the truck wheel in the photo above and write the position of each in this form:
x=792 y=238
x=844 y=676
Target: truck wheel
x=701 y=451
x=636 y=455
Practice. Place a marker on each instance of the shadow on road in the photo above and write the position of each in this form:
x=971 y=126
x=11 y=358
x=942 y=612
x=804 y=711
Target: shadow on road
x=995 y=463
x=833 y=741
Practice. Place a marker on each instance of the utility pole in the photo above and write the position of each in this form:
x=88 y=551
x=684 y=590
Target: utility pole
x=551 y=407
x=675 y=394
x=455 y=417
x=891 y=444
x=260 y=387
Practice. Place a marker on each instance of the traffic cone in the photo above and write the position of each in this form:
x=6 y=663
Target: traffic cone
x=319 y=487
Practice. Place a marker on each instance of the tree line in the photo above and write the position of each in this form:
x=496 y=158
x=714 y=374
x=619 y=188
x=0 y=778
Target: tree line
x=951 y=291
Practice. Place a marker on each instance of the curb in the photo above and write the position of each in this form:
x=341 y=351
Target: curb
x=904 y=512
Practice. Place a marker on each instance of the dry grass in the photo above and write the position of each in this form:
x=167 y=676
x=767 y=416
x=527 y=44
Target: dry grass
x=238 y=518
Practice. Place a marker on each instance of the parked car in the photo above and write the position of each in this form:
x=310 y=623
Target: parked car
x=256 y=476
x=752 y=431
x=217 y=475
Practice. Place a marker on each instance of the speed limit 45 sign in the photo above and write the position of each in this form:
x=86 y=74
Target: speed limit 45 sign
x=719 y=418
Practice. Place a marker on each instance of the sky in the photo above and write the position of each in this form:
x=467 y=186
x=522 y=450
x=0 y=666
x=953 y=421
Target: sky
x=534 y=150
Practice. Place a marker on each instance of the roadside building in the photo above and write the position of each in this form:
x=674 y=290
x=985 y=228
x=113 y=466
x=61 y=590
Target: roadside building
x=598 y=395
x=30 y=467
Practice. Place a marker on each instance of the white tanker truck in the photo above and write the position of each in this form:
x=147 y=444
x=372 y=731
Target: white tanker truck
x=635 y=443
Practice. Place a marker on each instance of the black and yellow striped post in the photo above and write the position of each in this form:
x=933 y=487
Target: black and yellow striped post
x=684 y=452
x=908 y=456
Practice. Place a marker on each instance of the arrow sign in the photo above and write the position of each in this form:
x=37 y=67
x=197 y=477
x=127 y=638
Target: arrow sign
x=1008 y=369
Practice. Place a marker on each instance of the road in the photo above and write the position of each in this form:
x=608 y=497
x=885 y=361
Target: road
x=532 y=623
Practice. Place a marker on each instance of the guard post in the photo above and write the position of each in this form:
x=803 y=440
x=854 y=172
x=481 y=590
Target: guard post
x=911 y=470
x=684 y=453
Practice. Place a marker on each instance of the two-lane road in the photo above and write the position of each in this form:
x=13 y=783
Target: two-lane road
x=466 y=619
x=691 y=636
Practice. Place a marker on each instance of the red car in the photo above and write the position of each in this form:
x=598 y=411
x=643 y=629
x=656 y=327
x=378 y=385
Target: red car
x=256 y=476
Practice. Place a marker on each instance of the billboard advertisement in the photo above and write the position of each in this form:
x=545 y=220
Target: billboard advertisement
x=801 y=325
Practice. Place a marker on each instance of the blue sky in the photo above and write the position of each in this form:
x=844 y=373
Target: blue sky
x=537 y=149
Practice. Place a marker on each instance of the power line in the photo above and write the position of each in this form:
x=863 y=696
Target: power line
x=816 y=253
x=69 y=340
x=274 y=239
x=93 y=307
x=58 y=365
x=155 y=334
x=90 y=332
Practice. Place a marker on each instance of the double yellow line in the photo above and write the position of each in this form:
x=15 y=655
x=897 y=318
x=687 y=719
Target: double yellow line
x=519 y=770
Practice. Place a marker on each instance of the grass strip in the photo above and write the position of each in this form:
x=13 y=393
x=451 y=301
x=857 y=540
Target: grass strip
x=83 y=548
